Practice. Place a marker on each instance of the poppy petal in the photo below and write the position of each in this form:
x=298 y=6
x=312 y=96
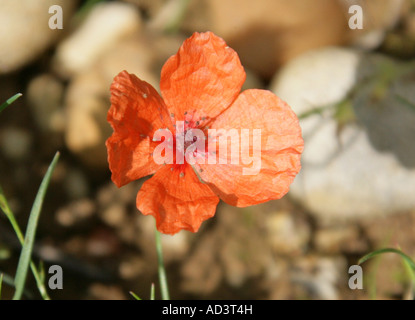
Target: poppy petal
x=177 y=199
x=203 y=78
x=136 y=111
x=279 y=152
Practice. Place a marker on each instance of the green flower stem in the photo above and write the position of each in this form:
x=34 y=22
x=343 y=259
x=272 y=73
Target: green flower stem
x=10 y=216
x=161 y=271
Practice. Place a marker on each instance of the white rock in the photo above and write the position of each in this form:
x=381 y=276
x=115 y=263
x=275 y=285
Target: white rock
x=106 y=25
x=25 y=32
x=356 y=170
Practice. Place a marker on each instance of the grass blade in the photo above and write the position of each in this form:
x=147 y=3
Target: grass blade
x=4 y=206
x=10 y=101
x=26 y=253
x=8 y=280
x=152 y=292
x=408 y=259
x=135 y=296
x=1 y=282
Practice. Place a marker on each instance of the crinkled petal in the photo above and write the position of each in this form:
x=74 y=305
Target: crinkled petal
x=177 y=199
x=203 y=78
x=279 y=152
x=136 y=112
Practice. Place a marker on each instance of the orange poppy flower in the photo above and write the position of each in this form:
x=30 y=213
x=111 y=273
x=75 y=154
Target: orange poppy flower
x=200 y=88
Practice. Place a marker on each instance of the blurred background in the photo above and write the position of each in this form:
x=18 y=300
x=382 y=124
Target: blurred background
x=353 y=90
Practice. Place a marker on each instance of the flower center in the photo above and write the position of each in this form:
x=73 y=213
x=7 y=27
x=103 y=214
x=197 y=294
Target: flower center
x=190 y=140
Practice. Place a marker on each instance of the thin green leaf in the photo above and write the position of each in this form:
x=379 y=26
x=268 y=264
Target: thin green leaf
x=152 y=292
x=9 y=213
x=1 y=283
x=410 y=271
x=135 y=296
x=10 y=101
x=8 y=280
x=26 y=253
x=41 y=269
x=408 y=259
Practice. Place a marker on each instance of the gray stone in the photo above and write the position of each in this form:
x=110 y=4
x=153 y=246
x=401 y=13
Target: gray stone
x=358 y=120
